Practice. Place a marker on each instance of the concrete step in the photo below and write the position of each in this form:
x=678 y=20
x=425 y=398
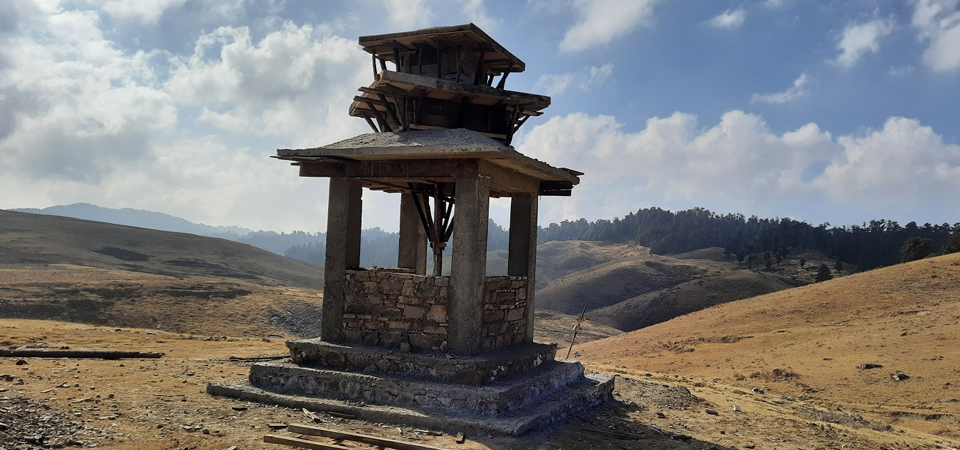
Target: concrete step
x=593 y=390
x=476 y=369
x=498 y=397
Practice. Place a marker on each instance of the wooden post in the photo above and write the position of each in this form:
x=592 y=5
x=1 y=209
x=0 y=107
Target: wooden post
x=468 y=264
x=522 y=258
x=413 y=238
x=343 y=251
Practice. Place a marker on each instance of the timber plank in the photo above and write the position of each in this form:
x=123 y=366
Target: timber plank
x=300 y=443
x=364 y=439
x=103 y=354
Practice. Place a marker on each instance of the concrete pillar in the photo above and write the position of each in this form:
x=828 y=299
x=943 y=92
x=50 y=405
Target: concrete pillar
x=468 y=264
x=343 y=252
x=523 y=249
x=413 y=238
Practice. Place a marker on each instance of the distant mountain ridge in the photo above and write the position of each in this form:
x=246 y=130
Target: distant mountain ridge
x=138 y=218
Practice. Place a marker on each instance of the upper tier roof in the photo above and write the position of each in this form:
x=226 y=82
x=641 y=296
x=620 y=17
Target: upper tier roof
x=470 y=36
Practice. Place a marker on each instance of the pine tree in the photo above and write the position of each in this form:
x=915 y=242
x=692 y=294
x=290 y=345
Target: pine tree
x=823 y=273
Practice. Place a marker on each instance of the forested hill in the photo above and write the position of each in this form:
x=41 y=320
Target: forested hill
x=873 y=244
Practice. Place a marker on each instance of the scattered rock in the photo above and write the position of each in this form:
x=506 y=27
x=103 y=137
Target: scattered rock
x=712 y=412
x=899 y=376
x=22 y=362
x=27 y=425
x=661 y=415
x=866 y=366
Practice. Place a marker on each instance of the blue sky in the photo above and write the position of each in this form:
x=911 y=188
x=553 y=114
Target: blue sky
x=830 y=111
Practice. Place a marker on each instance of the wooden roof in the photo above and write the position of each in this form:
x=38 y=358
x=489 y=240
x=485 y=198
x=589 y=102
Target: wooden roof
x=469 y=36
x=390 y=160
x=392 y=83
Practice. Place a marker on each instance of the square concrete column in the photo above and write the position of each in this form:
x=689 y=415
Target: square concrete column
x=413 y=238
x=468 y=265
x=343 y=252
x=522 y=259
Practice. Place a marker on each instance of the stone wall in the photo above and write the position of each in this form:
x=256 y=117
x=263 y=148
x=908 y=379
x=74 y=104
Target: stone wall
x=391 y=309
x=504 y=304
x=407 y=311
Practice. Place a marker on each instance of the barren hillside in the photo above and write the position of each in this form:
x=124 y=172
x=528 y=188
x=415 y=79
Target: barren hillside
x=626 y=287
x=811 y=344
x=35 y=240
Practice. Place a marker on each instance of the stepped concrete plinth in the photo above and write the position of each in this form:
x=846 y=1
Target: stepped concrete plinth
x=475 y=369
x=507 y=392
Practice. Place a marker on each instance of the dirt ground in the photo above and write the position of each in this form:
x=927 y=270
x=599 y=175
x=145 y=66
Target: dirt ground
x=161 y=404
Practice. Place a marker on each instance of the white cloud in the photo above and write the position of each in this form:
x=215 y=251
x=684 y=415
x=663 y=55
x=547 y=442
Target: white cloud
x=295 y=82
x=406 y=15
x=729 y=19
x=143 y=11
x=597 y=76
x=938 y=21
x=554 y=84
x=773 y=4
x=601 y=21
x=792 y=93
x=742 y=165
x=586 y=79
x=76 y=107
x=83 y=120
x=476 y=12
x=858 y=39
x=901 y=163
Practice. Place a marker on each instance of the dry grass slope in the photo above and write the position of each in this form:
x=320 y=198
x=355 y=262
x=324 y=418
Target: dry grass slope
x=35 y=240
x=91 y=272
x=626 y=287
x=807 y=343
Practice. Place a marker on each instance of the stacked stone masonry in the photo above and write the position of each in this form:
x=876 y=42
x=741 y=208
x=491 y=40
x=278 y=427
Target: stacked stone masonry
x=408 y=311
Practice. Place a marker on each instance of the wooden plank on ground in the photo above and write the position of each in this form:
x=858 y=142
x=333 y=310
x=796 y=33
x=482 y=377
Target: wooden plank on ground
x=370 y=440
x=104 y=354
x=300 y=443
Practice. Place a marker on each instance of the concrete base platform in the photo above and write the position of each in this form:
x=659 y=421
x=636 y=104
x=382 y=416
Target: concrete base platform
x=592 y=390
x=478 y=369
x=493 y=398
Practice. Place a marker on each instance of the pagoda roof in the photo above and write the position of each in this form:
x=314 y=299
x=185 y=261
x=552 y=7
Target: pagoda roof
x=391 y=83
x=469 y=36
x=390 y=160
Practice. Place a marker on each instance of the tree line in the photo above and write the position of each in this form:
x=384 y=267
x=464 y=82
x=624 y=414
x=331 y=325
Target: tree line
x=867 y=246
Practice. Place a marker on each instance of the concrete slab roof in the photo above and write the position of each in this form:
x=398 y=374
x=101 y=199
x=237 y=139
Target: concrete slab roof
x=425 y=146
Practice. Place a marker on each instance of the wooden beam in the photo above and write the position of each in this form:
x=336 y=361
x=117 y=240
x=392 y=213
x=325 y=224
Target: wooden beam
x=299 y=443
x=102 y=354
x=370 y=122
x=503 y=80
x=555 y=185
x=480 y=71
x=381 y=119
x=363 y=439
x=393 y=169
x=508 y=181
x=530 y=101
